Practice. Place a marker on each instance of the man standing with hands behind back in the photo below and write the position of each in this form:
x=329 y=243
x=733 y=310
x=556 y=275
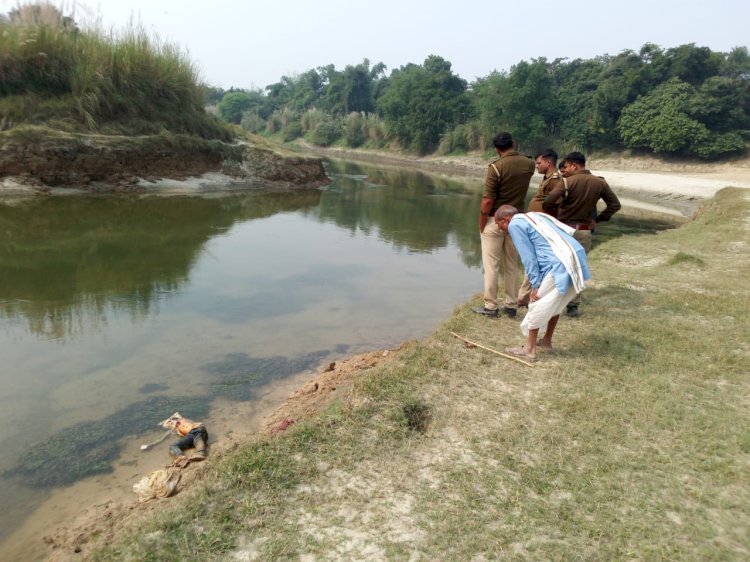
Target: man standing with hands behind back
x=578 y=206
x=506 y=183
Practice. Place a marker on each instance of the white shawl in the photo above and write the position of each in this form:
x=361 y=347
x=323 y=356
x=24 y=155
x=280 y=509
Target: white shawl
x=562 y=249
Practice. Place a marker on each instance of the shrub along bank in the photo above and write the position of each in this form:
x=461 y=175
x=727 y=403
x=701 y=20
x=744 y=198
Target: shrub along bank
x=629 y=442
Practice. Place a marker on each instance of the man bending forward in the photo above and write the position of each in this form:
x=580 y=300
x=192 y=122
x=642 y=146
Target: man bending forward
x=555 y=265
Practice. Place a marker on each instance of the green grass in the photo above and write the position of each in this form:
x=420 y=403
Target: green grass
x=87 y=80
x=630 y=442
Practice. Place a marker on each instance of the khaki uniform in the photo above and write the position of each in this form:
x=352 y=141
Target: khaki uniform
x=537 y=201
x=506 y=183
x=584 y=192
x=536 y=204
x=507 y=180
x=579 y=205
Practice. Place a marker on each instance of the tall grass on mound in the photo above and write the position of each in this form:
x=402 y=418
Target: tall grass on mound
x=88 y=80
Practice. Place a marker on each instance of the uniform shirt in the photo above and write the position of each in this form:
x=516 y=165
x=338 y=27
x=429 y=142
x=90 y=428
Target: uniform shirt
x=584 y=190
x=548 y=184
x=538 y=258
x=509 y=184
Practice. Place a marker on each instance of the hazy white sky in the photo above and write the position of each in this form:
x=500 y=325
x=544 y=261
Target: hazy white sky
x=252 y=44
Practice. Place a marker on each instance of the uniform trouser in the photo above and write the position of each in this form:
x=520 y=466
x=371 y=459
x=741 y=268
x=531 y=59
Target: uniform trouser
x=584 y=239
x=497 y=247
x=197 y=438
x=524 y=293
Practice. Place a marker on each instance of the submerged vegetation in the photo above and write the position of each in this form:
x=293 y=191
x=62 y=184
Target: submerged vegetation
x=90 y=448
x=55 y=74
x=685 y=101
x=629 y=442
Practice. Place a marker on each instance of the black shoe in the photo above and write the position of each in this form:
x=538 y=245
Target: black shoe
x=510 y=312
x=491 y=312
x=572 y=311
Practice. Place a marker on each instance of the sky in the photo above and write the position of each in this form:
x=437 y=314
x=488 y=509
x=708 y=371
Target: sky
x=248 y=44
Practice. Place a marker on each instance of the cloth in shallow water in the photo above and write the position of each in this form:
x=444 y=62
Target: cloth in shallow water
x=159 y=484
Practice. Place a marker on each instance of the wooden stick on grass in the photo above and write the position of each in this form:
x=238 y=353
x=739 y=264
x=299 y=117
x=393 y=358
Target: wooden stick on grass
x=493 y=350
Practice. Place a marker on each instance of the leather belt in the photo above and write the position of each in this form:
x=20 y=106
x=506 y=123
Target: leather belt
x=579 y=226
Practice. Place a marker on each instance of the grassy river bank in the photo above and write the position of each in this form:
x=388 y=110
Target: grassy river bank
x=629 y=442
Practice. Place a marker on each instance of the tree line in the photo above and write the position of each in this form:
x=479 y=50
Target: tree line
x=685 y=101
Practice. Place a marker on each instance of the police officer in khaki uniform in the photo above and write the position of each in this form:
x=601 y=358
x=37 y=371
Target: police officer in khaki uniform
x=546 y=164
x=578 y=207
x=506 y=183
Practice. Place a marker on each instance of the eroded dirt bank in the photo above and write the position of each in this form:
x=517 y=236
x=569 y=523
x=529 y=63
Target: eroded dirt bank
x=35 y=160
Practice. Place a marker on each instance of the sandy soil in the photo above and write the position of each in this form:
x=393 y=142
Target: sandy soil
x=60 y=530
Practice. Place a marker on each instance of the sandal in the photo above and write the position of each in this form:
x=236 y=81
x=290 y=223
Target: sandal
x=521 y=353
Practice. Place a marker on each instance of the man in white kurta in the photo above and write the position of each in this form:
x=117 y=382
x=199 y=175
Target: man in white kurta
x=556 y=266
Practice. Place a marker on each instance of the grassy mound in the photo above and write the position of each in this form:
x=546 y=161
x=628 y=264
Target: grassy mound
x=52 y=73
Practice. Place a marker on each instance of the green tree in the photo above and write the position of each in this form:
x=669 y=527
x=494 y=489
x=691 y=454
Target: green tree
x=578 y=122
x=235 y=103
x=420 y=103
x=486 y=97
x=529 y=103
x=353 y=89
x=212 y=94
x=662 y=121
x=737 y=64
x=721 y=103
x=693 y=64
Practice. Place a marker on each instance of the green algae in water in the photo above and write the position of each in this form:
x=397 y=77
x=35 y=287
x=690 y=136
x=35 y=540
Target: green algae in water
x=239 y=374
x=89 y=448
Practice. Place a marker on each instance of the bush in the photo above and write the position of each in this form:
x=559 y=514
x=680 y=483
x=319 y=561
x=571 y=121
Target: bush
x=292 y=131
x=327 y=133
x=720 y=145
x=312 y=118
x=273 y=124
x=355 y=130
x=375 y=130
x=233 y=105
x=252 y=122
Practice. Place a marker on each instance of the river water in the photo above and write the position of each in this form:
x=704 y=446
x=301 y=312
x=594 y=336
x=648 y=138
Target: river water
x=115 y=311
